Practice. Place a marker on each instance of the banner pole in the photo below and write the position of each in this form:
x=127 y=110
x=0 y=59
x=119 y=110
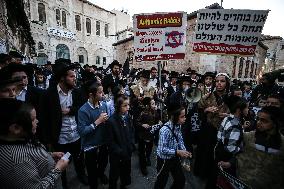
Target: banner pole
x=160 y=86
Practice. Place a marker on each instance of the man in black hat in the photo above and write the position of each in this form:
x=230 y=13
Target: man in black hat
x=16 y=57
x=165 y=79
x=208 y=79
x=153 y=77
x=27 y=93
x=179 y=97
x=7 y=85
x=47 y=69
x=266 y=87
x=62 y=102
x=173 y=84
x=114 y=78
x=24 y=91
x=5 y=59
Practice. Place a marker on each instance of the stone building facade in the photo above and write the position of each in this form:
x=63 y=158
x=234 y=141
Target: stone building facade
x=243 y=68
x=75 y=29
x=15 y=35
x=275 y=53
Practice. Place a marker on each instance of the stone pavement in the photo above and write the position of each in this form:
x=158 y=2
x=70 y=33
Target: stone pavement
x=138 y=180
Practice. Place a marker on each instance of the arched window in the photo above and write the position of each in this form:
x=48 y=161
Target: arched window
x=62 y=51
x=57 y=14
x=78 y=22
x=82 y=55
x=88 y=25
x=40 y=45
x=41 y=12
x=64 y=19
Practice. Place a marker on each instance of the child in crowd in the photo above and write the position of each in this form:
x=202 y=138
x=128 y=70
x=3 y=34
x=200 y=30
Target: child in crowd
x=121 y=133
x=148 y=123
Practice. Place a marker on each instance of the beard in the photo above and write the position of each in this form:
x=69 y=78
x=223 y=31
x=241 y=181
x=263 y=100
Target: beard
x=69 y=85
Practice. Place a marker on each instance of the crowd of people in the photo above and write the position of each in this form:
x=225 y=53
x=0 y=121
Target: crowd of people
x=101 y=116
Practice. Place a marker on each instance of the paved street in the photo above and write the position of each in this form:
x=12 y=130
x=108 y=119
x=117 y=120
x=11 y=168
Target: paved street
x=138 y=180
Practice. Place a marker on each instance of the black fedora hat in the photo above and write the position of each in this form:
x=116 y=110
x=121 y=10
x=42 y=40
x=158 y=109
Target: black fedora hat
x=184 y=78
x=4 y=58
x=5 y=78
x=48 y=63
x=14 y=67
x=145 y=74
x=165 y=71
x=209 y=74
x=174 y=74
x=15 y=54
x=61 y=66
x=115 y=63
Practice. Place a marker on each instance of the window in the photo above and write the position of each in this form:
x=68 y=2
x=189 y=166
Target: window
x=40 y=45
x=104 y=60
x=98 y=59
x=64 y=19
x=106 y=30
x=78 y=22
x=98 y=28
x=57 y=14
x=282 y=47
x=41 y=12
x=88 y=25
x=41 y=59
x=81 y=59
x=62 y=51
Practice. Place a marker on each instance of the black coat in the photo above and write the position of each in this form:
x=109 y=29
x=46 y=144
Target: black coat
x=121 y=137
x=34 y=96
x=170 y=90
x=53 y=112
x=177 y=99
x=109 y=82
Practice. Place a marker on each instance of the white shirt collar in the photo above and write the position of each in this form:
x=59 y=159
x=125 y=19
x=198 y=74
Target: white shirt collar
x=60 y=91
x=92 y=106
x=23 y=90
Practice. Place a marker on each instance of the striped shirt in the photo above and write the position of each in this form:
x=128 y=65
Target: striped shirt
x=230 y=134
x=27 y=166
x=168 y=144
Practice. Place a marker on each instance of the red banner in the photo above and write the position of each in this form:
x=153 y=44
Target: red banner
x=223 y=48
x=159 y=20
x=160 y=57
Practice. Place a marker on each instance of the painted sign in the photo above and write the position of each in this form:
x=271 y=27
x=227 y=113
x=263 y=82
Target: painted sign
x=61 y=33
x=235 y=32
x=159 y=36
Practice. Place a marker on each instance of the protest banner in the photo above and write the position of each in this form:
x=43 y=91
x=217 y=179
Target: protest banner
x=228 y=31
x=159 y=36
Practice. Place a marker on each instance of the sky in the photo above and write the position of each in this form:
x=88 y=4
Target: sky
x=274 y=24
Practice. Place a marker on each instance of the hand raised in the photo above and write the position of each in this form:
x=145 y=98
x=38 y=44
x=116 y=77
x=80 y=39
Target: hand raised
x=102 y=118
